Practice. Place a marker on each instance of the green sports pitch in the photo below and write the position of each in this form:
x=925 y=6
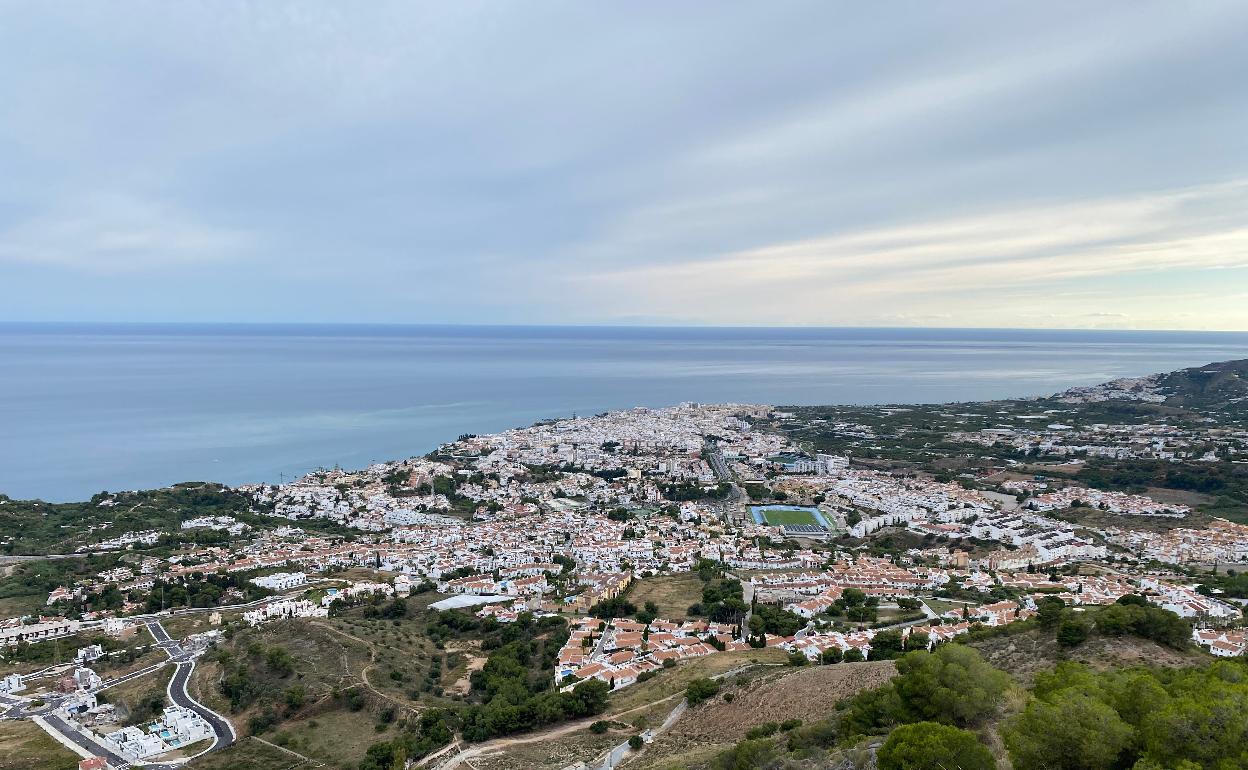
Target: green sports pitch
x=779 y=517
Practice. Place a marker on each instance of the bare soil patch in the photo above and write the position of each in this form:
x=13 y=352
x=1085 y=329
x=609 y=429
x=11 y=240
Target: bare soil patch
x=1025 y=654
x=672 y=593
x=808 y=694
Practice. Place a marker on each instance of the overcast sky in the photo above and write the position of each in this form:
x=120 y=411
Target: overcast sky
x=870 y=164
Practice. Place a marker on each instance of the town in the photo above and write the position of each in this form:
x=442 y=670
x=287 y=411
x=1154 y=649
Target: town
x=823 y=556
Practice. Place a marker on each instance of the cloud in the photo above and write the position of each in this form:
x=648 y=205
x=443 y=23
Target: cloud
x=111 y=233
x=960 y=262
x=497 y=162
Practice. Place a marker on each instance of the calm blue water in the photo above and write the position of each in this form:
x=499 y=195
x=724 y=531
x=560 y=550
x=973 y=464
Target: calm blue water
x=91 y=407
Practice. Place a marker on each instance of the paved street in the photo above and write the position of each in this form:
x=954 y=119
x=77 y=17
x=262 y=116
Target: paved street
x=49 y=720
x=185 y=662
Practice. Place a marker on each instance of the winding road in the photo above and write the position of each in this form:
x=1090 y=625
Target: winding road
x=78 y=740
x=223 y=731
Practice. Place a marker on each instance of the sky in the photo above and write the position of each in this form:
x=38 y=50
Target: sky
x=972 y=164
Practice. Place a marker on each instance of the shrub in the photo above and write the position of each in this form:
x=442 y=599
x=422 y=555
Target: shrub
x=762 y=731
x=1072 y=632
x=700 y=690
x=932 y=746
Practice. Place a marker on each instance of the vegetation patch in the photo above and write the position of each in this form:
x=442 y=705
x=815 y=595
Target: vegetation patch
x=25 y=746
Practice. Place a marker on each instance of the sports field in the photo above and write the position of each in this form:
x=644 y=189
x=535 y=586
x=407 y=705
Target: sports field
x=778 y=517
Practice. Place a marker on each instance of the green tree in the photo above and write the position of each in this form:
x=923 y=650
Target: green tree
x=701 y=689
x=1049 y=611
x=1069 y=730
x=1116 y=620
x=1072 y=632
x=886 y=645
x=933 y=746
x=952 y=685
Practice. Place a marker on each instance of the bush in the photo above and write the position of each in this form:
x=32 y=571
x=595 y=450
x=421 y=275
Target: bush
x=635 y=743
x=762 y=731
x=746 y=754
x=932 y=746
x=261 y=723
x=1072 y=632
x=600 y=727
x=821 y=735
x=700 y=690
x=952 y=685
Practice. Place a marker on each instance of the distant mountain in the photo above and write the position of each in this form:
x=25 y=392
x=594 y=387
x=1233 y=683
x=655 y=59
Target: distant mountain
x=1213 y=388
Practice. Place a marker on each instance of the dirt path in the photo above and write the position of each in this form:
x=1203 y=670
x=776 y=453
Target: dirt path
x=304 y=760
x=499 y=744
x=363 y=676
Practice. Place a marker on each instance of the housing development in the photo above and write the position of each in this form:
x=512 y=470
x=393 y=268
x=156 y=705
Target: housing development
x=622 y=547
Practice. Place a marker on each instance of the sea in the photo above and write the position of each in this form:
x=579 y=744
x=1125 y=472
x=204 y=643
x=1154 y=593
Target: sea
x=92 y=407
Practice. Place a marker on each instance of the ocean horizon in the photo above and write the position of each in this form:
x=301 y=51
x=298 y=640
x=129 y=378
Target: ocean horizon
x=86 y=407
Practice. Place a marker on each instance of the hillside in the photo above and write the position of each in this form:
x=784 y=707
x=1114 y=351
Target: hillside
x=806 y=694
x=1218 y=389
x=1023 y=655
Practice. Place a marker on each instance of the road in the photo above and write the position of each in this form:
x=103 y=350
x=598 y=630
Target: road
x=731 y=508
x=68 y=733
x=716 y=461
x=223 y=731
x=19 y=559
x=132 y=675
x=616 y=755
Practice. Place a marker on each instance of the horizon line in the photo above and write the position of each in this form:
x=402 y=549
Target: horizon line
x=743 y=327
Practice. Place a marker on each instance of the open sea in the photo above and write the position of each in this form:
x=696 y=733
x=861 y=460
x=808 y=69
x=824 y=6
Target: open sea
x=88 y=407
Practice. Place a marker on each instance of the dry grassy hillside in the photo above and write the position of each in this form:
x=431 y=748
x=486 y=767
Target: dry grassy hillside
x=809 y=694
x=1022 y=655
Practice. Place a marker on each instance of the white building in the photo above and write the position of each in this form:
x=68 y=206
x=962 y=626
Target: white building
x=12 y=683
x=37 y=632
x=281 y=581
